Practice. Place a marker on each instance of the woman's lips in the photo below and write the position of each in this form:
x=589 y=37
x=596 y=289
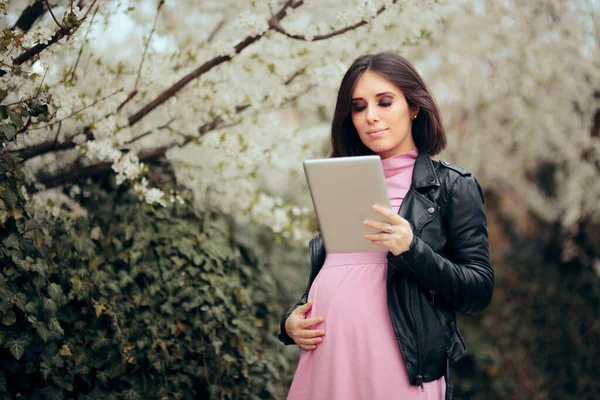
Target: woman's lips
x=376 y=133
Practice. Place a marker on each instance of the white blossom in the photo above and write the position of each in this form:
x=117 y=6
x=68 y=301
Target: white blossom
x=38 y=35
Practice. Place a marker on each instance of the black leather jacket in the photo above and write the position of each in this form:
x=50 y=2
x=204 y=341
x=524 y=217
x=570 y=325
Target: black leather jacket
x=446 y=269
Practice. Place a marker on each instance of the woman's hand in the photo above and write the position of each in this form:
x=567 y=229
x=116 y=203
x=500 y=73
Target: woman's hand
x=396 y=236
x=297 y=327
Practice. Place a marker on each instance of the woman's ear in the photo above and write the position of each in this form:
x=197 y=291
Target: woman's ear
x=415 y=111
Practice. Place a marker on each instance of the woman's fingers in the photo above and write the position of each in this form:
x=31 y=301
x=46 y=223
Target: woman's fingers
x=305 y=337
x=305 y=323
x=378 y=225
x=311 y=333
x=379 y=237
x=389 y=214
x=310 y=344
x=312 y=341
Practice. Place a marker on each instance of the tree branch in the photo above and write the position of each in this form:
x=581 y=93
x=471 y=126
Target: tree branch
x=134 y=92
x=212 y=35
x=49 y=146
x=143 y=135
x=99 y=169
x=76 y=172
x=207 y=66
x=78 y=111
x=72 y=72
x=38 y=48
x=88 y=11
x=276 y=26
x=53 y=16
x=137 y=80
x=29 y=16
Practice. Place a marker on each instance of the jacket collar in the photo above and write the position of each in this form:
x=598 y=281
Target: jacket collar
x=424 y=174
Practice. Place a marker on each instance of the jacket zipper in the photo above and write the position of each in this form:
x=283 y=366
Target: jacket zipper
x=418 y=320
x=432 y=293
x=394 y=322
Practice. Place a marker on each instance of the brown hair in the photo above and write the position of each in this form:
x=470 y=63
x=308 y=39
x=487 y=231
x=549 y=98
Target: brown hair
x=427 y=130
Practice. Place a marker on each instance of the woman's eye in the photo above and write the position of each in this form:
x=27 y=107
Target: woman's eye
x=358 y=108
x=385 y=103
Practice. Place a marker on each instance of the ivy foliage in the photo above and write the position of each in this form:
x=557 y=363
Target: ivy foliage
x=131 y=302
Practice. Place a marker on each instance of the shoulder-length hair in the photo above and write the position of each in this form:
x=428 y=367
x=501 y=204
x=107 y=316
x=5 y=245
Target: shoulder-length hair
x=427 y=130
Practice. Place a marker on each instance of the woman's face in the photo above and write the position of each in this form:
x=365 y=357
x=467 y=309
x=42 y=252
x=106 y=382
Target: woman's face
x=381 y=116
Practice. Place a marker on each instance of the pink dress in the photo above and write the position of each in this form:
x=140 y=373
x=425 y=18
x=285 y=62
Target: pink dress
x=359 y=357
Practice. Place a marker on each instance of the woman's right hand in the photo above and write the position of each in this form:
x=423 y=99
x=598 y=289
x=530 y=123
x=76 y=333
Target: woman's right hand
x=297 y=327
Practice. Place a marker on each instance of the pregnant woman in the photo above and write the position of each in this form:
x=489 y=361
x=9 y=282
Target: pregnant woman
x=381 y=325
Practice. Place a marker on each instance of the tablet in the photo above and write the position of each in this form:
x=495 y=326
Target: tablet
x=343 y=191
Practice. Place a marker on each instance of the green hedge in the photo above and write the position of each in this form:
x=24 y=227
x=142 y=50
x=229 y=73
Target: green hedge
x=130 y=302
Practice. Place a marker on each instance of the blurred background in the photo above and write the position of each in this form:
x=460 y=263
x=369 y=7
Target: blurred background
x=154 y=216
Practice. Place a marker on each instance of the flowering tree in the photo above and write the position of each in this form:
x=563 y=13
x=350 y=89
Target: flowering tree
x=519 y=83
x=220 y=92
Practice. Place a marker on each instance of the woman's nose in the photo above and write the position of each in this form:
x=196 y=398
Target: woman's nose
x=372 y=114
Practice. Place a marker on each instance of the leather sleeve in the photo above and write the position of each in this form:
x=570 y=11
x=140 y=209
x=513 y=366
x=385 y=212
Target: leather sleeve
x=465 y=278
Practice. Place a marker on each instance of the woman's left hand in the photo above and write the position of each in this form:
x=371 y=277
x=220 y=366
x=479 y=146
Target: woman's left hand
x=396 y=236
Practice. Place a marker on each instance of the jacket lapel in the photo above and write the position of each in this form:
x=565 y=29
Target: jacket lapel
x=424 y=174
x=416 y=208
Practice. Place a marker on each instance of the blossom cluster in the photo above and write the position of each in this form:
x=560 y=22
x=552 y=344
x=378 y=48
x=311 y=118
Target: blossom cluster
x=127 y=168
x=38 y=35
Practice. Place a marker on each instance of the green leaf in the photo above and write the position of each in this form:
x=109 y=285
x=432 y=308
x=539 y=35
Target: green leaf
x=32 y=307
x=228 y=358
x=41 y=330
x=16 y=119
x=132 y=395
x=103 y=377
x=11 y=242
x=167 y=308
x=101 y=341
x=55 y=326
x=57 y=360
x=5 y=305
x=45 y=369
x=16 y=347
x=40 y=268
x=55 y=291
x=50 y=306
x=9 y=318
x=217 y=345
x=38 y=238
x=9 y=130
x=53 y=393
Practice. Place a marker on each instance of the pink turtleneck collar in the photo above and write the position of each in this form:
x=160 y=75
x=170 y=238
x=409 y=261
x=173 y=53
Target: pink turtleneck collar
x=398 y=163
